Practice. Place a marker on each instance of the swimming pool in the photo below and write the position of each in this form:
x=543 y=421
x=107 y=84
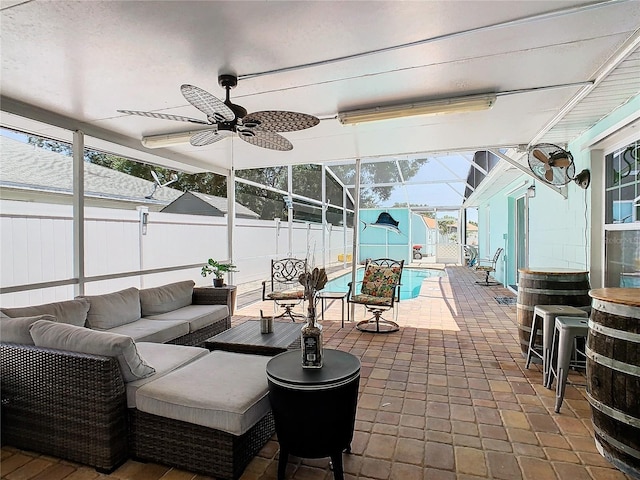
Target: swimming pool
x=411 y=281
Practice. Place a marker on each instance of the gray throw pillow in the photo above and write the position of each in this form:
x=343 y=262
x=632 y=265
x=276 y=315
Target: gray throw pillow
x=113 y=309
x=73 y=312
x=84 y=340
x=158 y=300
x=16 y=330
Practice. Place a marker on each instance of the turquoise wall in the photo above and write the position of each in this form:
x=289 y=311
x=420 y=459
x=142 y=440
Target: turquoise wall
x=499 y=218
x=559 y=228
x=418 y=231
x=376 y=242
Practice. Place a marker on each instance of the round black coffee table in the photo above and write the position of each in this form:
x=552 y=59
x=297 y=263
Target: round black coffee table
x=314 y=410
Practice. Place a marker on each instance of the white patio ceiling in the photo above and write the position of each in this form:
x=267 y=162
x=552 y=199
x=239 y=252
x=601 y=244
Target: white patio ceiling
x=73 y=64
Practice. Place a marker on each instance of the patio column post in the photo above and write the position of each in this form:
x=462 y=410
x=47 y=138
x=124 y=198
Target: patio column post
x=324 y=215
x=462 y=236
x=344 y=227
x=290 y=207
x=356 y=220
x=78 y=210
x=231 y=216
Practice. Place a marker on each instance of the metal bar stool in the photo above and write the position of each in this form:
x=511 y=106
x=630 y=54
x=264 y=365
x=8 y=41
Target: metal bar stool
x=544 y=317
x=567 y=331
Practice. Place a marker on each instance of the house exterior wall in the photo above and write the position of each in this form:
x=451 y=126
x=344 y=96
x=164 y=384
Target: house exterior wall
x=377 y=242
x=496 y=213
x=418 y=231
x=563 y=233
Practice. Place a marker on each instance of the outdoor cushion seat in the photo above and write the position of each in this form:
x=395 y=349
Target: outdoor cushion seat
x=286 y=295
x=163 y=299
x=196 y=316
x=73 y=312
x=193 y=393
x=145 y=330
x=165 y=358
x=113 y=309
x=370 y=300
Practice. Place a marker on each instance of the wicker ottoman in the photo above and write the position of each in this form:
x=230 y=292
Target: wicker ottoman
x=210 y=417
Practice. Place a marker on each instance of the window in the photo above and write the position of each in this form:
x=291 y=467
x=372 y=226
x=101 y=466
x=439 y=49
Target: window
x=622 y=217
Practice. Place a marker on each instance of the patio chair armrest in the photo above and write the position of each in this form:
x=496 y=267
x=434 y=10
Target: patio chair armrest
x=352 y=289
x=484 y=265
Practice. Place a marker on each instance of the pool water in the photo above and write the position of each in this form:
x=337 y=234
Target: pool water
x=411 y=281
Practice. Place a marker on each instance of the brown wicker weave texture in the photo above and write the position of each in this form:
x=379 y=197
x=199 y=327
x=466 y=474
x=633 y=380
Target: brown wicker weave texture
x=196 y=448
x=64 y=404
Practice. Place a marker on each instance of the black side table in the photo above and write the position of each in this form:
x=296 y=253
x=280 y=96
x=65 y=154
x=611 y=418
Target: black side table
x=314 y=410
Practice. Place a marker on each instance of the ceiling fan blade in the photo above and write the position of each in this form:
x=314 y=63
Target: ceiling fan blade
x=279 y=121
x=541 y=156
x=164 y=116
x=270 y=140
x=549 y=175
x=207 y=137
x=214 y=108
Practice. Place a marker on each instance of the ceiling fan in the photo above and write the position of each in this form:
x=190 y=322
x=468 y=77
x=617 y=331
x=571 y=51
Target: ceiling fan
x=224 y=118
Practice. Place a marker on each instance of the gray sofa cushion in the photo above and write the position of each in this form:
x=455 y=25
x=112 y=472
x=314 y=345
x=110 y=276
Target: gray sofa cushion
x=144 y=330
x=84 y=340
x=165 y=358
x=16 y=330
x=225 y=391
x=158 y=300
x=197 y=316
x=113 y=309
x=73 y=312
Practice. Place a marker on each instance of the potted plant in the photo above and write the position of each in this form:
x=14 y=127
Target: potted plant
x=218 y=269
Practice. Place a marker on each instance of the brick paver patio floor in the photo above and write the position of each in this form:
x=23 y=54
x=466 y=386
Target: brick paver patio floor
x=445 y=398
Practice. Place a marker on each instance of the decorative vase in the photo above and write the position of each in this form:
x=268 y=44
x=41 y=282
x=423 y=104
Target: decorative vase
x=218 y=282
x=311 y=341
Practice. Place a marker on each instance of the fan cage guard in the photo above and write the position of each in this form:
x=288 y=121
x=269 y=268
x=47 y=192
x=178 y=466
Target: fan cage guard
x=561 y=175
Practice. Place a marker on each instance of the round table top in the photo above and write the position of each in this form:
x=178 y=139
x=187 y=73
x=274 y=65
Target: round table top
x=623 y=296
x=338 y=368
x=550 y=270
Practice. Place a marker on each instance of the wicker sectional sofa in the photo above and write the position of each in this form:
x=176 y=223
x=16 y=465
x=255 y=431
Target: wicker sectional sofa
x=98 y=397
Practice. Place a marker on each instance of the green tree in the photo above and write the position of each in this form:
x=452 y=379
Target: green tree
x=208 y=183
x=307 y=179
x=378 y=172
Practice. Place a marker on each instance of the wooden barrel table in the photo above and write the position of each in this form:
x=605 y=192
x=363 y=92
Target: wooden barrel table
x=547 y=286
x=613 y=375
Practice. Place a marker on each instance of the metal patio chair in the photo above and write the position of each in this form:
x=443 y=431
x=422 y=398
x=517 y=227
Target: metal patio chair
x=379 y=292
x=283 y=287
x=488 y=265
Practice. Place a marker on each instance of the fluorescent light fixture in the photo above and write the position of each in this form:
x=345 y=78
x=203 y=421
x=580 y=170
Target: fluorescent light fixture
x=169 y=139
x=470 y=103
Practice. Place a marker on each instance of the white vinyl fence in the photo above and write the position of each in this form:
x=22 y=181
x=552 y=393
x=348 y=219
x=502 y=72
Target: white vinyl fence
x=36 y=244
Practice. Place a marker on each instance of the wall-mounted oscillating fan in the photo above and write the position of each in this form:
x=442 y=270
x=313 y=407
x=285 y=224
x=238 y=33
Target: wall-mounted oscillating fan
x=554 y=165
